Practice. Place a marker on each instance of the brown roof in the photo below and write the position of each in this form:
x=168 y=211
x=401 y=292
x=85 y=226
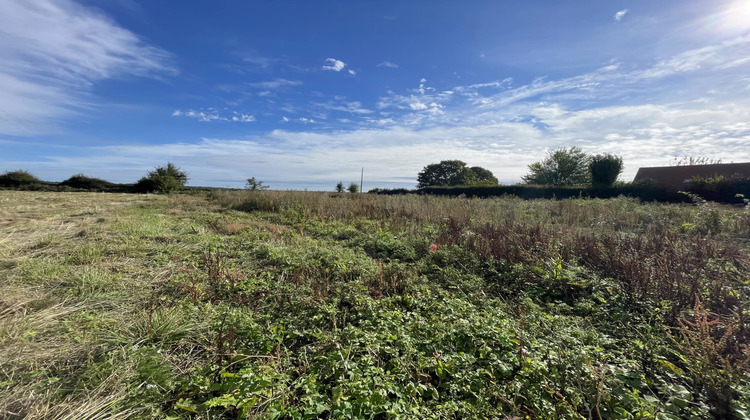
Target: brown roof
x=676 y=177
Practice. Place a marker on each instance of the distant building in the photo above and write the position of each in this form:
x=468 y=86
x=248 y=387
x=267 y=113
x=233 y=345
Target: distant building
x=676 y=178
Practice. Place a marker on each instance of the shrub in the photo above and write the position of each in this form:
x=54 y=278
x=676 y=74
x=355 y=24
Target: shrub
x=164 y=179
x=605 y=169
x=255 y=185
x=560 y=167
x=84 y=182
x=353 y=188
x=18 y=178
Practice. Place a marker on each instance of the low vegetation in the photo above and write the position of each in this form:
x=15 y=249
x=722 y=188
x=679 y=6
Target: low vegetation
x=311 y=305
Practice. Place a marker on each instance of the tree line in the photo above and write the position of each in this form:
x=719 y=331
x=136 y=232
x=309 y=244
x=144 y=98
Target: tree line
x=561 y=167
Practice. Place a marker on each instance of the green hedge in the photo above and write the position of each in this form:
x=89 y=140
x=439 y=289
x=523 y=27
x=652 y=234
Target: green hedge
x=724 y=192
x=644 y=192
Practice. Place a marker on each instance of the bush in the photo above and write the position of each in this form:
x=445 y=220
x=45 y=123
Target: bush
x=255 y=185
x=19 y=178
x=720 y=188
x=605 y=169
x=560 y=167
x=164 y=179
x=83 y=182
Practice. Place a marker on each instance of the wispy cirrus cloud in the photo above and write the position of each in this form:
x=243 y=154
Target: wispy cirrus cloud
x=341 y=104
x=333 y=64
x=619 y=15
x=503 y=125
x=388 y=64
x=211 y=114
x=54 y=54
x=275 y=84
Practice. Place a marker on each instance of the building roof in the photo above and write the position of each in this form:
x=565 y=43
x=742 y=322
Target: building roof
x=676 y=177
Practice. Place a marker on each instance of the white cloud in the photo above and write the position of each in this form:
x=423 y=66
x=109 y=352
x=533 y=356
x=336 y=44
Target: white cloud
x=334 y=65
x=237 y=117
x=352 y=72
x=388 y=64
x=619 y=15
x=211 y=114
x=275 y=84
x=392 y=153
x=54 y=54
x=699 y=107
x=340 y=104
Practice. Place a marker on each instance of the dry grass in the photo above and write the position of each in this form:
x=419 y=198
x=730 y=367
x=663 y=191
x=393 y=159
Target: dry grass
x=71 y=267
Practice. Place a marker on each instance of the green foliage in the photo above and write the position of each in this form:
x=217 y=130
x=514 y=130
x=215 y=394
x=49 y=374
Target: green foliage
x=720 y=188
x=340 y=187
x=483 y=176
x=83 y=182
x=18 y=178
x=255 y=185
x=163 y=179
x=560 y=167
x=445 y=173
x=605 y=169
x=353 y=188
x=380 y=307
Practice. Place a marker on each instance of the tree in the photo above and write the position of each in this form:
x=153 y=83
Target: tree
x=84 y=182
x=18 y=178
x=445 y=173
x=255 y=185
x=560 y=167
x=483 y=176
x=163 y=179
x=605 y=169
x=353 y=188
x=340 y=187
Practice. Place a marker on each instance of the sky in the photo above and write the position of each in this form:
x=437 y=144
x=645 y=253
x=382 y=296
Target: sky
x=303 y=94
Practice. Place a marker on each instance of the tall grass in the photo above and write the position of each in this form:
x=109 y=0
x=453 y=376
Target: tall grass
x=659 y=252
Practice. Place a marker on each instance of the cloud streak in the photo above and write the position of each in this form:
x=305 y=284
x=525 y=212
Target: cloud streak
x=54 y=54
x=211 y=114
x=275 y=84
x=502 y=125
x=388 y=64
x=619 y=15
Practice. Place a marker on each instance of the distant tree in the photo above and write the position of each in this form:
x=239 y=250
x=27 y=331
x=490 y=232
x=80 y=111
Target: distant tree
x=483 y=176
x=163 y=179
x=605 y=169
x=353 y=188
x=560 y=167
x=340 y=187
x=18 y=178
x=255 y=185
x=445 y=173
x=83 y=182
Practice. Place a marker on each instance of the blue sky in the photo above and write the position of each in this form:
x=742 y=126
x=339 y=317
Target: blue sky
x=303 y=94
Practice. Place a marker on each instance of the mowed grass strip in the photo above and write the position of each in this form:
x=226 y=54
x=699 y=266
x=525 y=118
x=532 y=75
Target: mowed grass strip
x=76 y=268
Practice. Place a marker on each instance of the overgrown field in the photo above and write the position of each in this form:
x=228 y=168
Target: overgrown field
x=313 y=305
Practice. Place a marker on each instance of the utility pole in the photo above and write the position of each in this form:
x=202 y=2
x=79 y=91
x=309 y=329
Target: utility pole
x=361 y=179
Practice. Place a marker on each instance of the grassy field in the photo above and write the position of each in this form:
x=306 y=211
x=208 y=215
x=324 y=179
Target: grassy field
x=313 y=305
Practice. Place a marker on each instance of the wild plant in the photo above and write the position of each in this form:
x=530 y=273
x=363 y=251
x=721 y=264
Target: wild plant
x=715 y=351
